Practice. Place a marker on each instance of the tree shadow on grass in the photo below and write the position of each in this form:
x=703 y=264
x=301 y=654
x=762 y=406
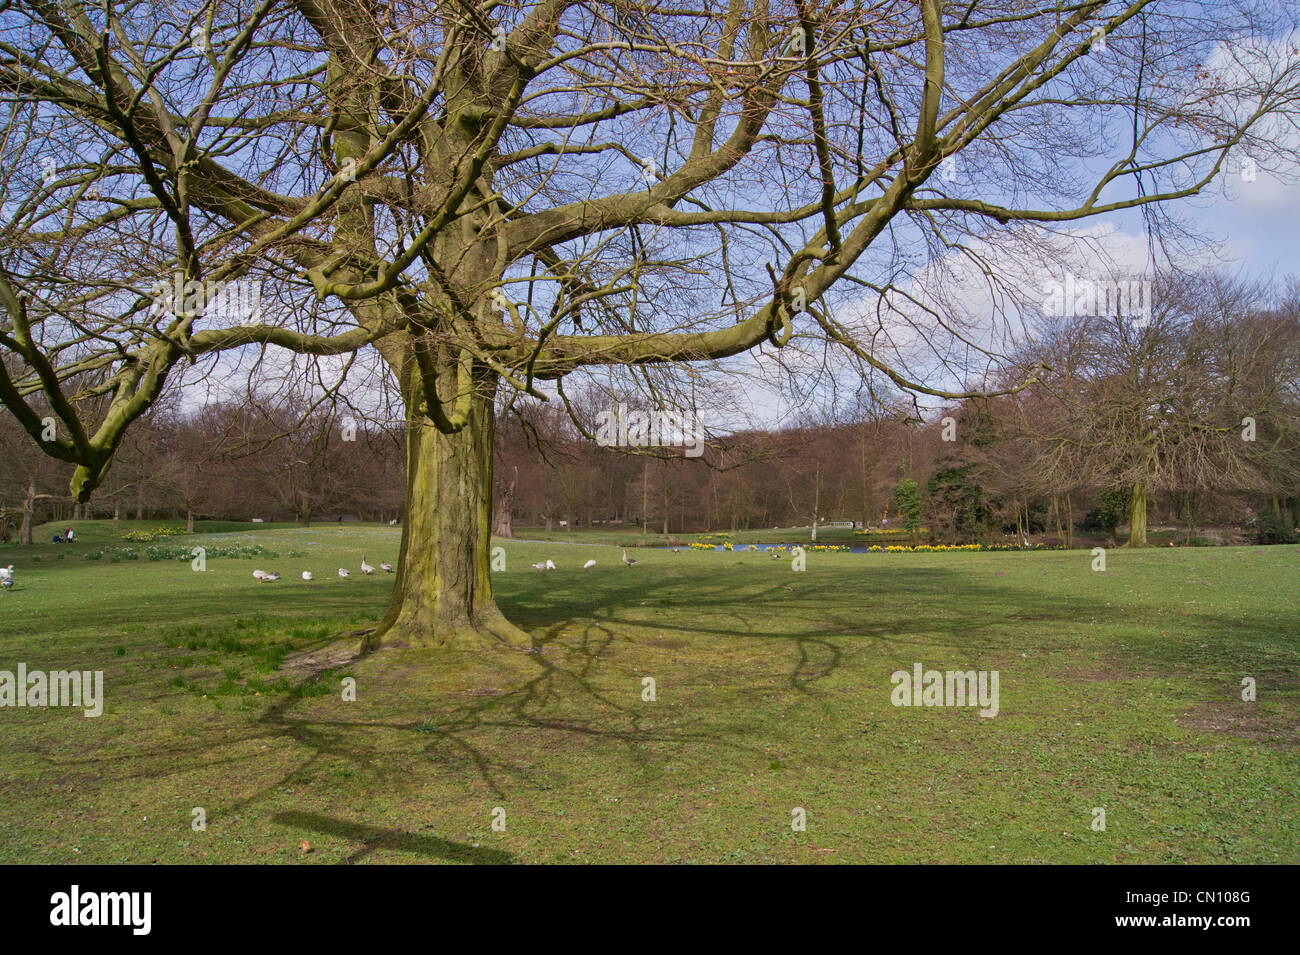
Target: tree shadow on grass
x=571 y=642
x=375 y=838
x=451 y=730
x=929 y=609
x=554 y=695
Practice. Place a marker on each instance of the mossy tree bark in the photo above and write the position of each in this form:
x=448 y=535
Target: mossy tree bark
x=443 y=591
x=1137 y=521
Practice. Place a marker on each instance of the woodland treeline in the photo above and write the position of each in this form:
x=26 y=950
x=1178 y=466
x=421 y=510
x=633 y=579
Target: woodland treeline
x=1191 y=419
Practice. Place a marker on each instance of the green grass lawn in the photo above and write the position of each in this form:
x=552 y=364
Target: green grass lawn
x=1118 y=690
x=631 y=535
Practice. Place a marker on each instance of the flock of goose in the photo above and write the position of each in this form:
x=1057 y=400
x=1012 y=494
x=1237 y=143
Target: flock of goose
x=542 y=566
x=266 y=577
x=263 y=577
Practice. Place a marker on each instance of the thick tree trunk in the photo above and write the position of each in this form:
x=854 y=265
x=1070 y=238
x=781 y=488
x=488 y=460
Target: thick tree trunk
x=29 y=509
x=442 y=596
x=501 y=525
x=1137 y=523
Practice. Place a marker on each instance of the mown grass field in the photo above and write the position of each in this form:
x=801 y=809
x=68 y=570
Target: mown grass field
x=1118 y=690
x=633 y=536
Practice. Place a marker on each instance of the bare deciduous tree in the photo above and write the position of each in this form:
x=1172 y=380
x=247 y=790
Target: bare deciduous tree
x=489 y=196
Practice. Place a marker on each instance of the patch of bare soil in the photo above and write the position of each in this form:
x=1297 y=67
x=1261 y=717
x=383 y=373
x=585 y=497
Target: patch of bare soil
x=668 y=643
x=1243 y=720
x=307 y=663
x=1113 y=674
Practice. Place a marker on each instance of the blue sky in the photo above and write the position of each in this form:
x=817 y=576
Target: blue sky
x=1259 y=222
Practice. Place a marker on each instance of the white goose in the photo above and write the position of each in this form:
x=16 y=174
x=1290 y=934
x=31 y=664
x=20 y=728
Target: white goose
x=540 y=566
x=366 y=568
x=550 y=565
x=588 y=565
x=259 y=575
x=273 y=575
x=306 y=575
x=385 y=566
x=343 y=572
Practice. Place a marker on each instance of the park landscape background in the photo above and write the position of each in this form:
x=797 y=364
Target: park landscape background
x=1190 y=420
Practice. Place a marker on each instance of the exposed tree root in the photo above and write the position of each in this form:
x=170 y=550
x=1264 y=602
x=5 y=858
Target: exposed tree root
x=491 y=630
